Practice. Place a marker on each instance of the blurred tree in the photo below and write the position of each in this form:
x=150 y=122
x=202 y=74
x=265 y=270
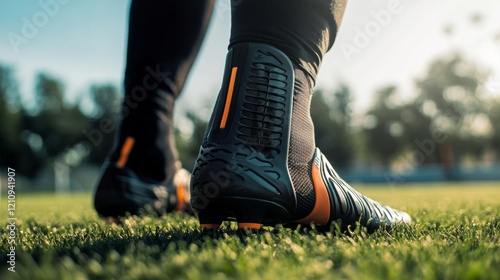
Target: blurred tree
x=449 y=90
x=106 y=113
x=448 y=99
x=332 y=125
x=416 y=126
x=494 y=114
x=341 y=109
x=11 y=119
x=107 y=100
x=49 y=94
x=384 y=132
x=53 y=128
x=59 y=124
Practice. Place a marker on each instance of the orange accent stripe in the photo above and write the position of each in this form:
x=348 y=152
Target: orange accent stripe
x=229 y=97
x=127 y=147
x=181 y=198
x=210 y=226
x=248 y=226
x=321 y=211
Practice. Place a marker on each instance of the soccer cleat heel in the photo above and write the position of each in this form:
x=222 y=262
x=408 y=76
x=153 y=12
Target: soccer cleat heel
x=241 y=172
x=120 y=191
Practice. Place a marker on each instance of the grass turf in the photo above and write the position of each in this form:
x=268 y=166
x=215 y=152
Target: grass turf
x=455 y=235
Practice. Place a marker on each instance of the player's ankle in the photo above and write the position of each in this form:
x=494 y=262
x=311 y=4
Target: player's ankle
x=148 y=156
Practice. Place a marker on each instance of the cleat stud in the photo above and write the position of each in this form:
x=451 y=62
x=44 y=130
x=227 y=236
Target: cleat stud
x=249 y=226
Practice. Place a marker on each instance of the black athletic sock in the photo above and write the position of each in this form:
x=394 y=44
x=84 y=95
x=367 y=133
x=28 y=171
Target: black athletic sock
x=304 y=30
x=164 y=39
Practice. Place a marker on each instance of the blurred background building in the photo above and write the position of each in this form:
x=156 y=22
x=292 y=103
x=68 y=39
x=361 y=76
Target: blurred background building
x=410 y=91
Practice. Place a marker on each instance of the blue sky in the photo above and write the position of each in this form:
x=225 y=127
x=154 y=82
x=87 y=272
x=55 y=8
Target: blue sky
x=84 y=42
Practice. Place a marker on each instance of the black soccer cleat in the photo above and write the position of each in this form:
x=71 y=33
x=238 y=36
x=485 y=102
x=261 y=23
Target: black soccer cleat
x=242 y=169
x=120 y=191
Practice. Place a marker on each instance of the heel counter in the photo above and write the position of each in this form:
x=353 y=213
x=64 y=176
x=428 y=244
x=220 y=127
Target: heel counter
x=245 y=149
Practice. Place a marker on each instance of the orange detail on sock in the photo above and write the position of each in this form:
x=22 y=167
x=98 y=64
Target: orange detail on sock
x=127 y=147
x=229 y=98
x=321 y=211
x=249 y=226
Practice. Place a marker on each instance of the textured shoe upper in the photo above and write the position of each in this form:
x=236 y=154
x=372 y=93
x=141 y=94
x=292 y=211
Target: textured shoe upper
x=345 y=203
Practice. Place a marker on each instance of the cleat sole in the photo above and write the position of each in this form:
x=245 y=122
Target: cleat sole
x=248 y=213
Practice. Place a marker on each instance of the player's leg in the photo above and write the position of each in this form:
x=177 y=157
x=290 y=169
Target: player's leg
x=258 y=162
x=163 y=41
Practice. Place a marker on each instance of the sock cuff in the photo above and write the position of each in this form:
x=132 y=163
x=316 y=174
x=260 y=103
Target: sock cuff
x=302 y=29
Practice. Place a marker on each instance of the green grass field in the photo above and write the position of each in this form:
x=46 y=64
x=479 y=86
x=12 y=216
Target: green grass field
x=455 y=235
